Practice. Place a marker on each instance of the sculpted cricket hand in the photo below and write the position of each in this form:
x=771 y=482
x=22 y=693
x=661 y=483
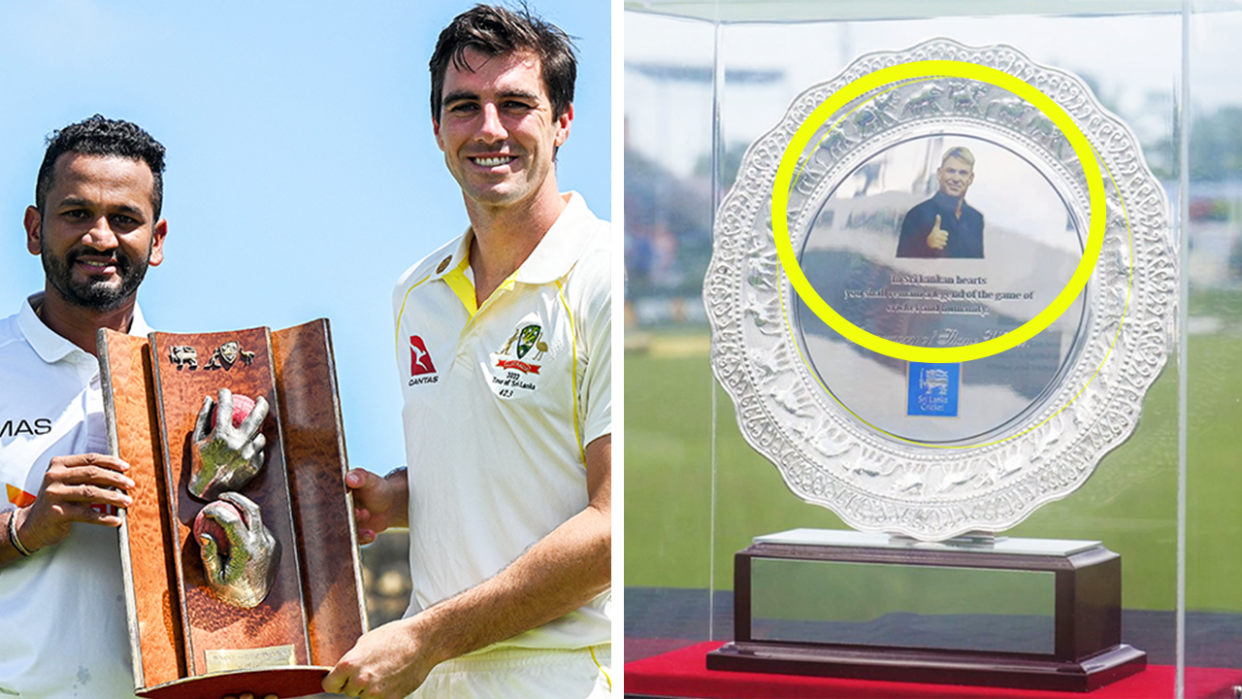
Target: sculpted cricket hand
x=229 y=455
x=239 y=554
x=939 y=237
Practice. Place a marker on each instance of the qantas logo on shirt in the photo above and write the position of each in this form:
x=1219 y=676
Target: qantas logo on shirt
x=420 y=362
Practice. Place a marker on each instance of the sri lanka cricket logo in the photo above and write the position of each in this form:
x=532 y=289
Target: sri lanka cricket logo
x=527 y=338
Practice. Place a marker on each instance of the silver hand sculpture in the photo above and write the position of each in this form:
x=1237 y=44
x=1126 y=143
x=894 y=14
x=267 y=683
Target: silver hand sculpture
x=229 y=457
x=240 y=555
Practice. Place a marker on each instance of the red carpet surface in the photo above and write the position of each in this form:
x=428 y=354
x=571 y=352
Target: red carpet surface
x=683 y=673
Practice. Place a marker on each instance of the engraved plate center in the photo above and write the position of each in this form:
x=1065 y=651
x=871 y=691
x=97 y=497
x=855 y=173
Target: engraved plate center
x=229 y=659
x=921 y=247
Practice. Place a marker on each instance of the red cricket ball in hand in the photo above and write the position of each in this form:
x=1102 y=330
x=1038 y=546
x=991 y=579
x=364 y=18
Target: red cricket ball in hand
x=241 y=408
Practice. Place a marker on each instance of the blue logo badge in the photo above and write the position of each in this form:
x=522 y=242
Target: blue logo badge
x=932 y=389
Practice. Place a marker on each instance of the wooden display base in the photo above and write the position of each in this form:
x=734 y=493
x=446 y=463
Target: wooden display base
x=1079 y=651
x=942 y=667
x=292 y=681
x=314 y=613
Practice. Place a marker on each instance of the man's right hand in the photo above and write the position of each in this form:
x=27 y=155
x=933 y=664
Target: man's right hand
x=70 y=487
x=379 y=502
x=939 y=237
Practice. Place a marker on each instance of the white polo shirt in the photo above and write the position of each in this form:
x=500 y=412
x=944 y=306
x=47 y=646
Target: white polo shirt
x=500 y=403
x=63 y=629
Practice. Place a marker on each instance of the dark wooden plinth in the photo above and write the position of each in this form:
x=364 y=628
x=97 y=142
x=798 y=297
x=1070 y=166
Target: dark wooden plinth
x=1085 y=652
x=942 y=667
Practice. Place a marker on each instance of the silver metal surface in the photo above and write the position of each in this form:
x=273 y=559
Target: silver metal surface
x=1007 y=545
x=227 y=456
x=240 y=555
x=1029 y=425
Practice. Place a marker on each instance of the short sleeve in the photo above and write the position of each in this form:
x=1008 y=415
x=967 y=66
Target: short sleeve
x=595 y=394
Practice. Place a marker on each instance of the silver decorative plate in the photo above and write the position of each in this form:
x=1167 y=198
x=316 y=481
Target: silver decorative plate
x=933 y=450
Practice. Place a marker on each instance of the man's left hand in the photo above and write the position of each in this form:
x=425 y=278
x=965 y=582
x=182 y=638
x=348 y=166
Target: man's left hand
x=388 y=663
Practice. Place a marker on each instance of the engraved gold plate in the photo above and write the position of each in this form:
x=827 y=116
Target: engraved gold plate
x=227 y=660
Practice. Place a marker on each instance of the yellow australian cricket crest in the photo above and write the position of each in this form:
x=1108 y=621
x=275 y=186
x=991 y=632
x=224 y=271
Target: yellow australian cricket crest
x=527 y=337
x=516 y=368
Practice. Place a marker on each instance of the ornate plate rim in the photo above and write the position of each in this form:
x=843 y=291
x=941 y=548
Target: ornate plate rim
x=1135 y=282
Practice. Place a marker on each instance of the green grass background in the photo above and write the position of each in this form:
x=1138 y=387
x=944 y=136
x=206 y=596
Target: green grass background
x=1129 y=503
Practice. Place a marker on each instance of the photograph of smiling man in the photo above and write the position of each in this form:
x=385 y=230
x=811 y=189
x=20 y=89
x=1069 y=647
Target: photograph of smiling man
x=945 y=225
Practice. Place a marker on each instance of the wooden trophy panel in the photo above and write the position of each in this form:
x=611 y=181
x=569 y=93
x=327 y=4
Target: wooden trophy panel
x=151 y=582
x=152 y=396
x=211 y=624
x=310 y=416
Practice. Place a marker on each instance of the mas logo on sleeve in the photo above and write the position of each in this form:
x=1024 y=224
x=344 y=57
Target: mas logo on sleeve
x=515 y=368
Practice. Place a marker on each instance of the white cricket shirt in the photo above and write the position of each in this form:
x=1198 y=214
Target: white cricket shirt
x=500 y=403
x=63 y=629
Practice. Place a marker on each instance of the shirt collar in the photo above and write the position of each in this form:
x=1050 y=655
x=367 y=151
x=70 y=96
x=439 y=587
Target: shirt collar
x=458 y=259
x=561 y=245
x=50 y=346
x=551 y=258
x=946 y=201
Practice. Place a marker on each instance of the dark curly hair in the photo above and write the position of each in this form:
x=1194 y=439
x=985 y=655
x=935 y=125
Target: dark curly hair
x=102 y=136
x=493 y=31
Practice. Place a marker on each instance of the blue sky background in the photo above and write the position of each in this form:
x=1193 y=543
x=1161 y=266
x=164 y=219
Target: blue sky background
x=302 y=175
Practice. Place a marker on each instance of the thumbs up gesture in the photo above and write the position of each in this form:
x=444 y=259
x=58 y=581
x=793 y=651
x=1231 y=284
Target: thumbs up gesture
x=939 y=237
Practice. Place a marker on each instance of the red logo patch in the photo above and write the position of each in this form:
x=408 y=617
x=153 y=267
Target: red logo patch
x=420 y=358
x=521 y=366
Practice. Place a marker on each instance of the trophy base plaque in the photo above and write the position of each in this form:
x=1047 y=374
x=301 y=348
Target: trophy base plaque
x=1025 y=613
x=294 y=681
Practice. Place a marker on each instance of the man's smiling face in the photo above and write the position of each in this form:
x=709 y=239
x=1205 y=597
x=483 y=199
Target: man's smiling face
x=955 y=176
x=97 y=233
x=497 y=129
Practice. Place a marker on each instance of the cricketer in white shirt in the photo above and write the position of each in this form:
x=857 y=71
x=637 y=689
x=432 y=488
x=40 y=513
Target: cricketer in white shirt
x=62 y=610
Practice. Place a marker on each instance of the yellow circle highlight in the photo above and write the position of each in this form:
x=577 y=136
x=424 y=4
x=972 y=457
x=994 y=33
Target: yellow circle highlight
x=922 y=70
